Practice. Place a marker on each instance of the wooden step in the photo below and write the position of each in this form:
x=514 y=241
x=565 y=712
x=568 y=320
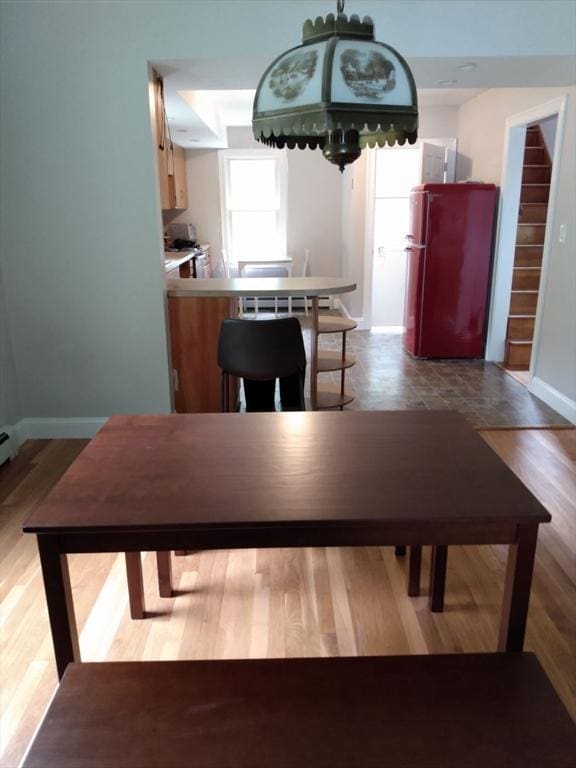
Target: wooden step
x=535 y=156
x=335 y=324
x=518 y=354
x=520 y=327
x=332 y=361
x=534 y=137
x=536 y=174
x=528 y=255
x=329 y=396
x=530 y=234
x=526 y=279
x=535 y=193
x=533 y=213
x=523 y=302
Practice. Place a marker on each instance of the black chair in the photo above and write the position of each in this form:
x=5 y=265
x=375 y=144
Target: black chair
x=259 y=352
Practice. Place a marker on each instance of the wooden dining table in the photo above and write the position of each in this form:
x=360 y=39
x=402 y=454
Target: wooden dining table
x=298 y=479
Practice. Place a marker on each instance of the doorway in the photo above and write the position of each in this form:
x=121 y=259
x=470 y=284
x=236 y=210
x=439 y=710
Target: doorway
x=395 y=171
x=530 y=237
x=512 y=196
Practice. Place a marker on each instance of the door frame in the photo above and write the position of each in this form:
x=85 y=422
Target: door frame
x=450 y=144
x=510 y=190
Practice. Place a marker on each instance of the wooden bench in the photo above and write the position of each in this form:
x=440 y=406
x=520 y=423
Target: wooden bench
x=465 y=711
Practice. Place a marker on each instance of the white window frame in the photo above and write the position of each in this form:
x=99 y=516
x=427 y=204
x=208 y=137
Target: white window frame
x=224 y=158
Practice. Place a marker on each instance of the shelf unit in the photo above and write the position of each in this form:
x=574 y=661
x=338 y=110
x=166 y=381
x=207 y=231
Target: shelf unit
x=325 y=396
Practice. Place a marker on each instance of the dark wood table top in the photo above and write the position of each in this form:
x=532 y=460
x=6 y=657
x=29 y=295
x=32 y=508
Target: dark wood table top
x=469 y=711
x=193 y=471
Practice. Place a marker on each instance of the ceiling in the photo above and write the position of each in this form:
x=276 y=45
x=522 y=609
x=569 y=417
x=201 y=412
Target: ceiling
x=206 y=96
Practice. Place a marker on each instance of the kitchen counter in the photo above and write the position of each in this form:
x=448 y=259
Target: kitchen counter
x=257 y=286
x=185 y=261
x=174 y=259
x=196 y=309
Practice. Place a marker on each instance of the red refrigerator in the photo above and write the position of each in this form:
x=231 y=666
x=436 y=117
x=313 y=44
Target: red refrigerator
x=449 y=260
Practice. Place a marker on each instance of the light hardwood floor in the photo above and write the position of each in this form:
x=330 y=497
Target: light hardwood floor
x=279 y=603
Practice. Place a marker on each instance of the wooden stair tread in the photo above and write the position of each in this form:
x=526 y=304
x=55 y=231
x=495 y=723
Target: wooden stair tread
x=329 y=360
x=328 y=396
x=330 y=324
x=520 y=327
x=517 y=354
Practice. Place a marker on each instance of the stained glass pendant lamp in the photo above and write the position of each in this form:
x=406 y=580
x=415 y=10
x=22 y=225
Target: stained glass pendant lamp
x=340 y=91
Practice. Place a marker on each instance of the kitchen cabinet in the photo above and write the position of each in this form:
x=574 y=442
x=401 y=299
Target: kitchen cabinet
x=194 y=331
x=171 y=158
x=177 y=185
x=163 y=178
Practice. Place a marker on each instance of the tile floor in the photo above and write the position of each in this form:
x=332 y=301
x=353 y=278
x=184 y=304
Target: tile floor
x=386 y=377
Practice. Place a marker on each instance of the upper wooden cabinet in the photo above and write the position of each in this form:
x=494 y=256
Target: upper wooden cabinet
x=177 y=187
x=163 y=178
x=171 y=160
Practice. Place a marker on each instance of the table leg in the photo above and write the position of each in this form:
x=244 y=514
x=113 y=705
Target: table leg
x=135 y=584
x=314 y=353
x=519 y=570
x=437 y=578
x=400 y=550
x=164 y=565
x=59 y=600
x=413 y=572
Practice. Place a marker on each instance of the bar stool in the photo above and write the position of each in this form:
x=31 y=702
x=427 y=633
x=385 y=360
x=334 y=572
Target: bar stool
x=259 y=352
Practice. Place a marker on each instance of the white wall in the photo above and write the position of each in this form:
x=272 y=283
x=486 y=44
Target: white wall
x=434 y=123
x=548 y=128
x=481 y=142
x=313 y=204
x=354 y=234
x=80 y=235
x=204 y=197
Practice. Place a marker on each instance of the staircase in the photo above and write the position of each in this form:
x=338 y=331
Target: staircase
x=528 y=252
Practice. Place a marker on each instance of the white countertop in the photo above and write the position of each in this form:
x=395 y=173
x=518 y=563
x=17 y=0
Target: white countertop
x=258 y=286
x=173 y=259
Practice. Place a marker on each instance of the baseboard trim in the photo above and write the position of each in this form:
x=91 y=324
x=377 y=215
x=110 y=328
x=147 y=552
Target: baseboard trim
x=556 y=400
x=47 y=429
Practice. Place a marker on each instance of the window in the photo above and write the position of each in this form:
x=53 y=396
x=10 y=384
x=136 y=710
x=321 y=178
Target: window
x=253 y=193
